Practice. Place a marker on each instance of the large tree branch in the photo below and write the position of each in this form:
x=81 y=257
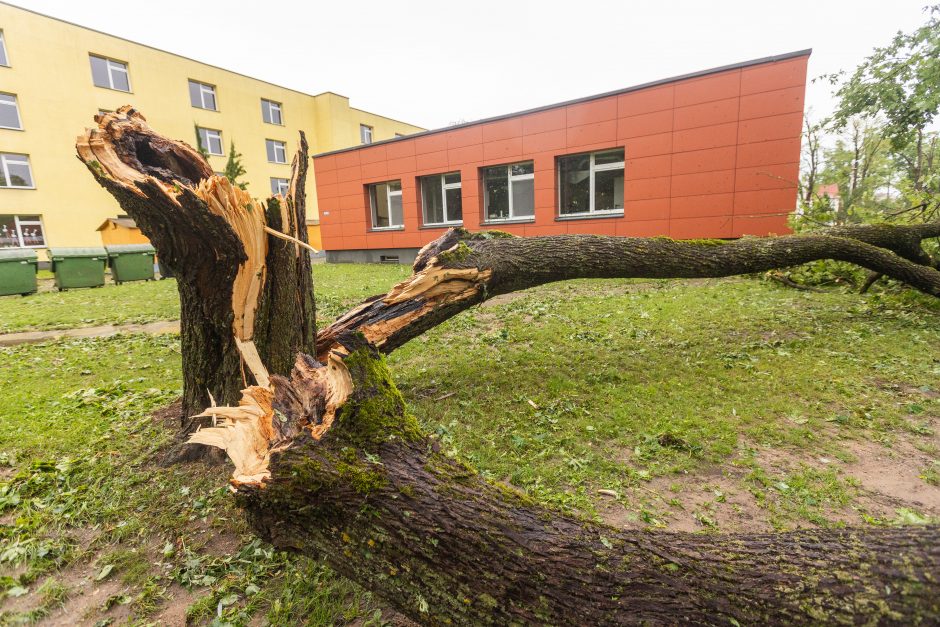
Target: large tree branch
x=462 y=269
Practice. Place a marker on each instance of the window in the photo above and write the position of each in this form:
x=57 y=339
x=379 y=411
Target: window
x=365 y=134
x=271 y=112
x=21 y=232
x=385 y=199
x=277 y=151
x=441 y=199
x=4 y=60
x=210 y=140
x=109 y=73
x=14 y=171
x=9 y=112
x=202 y=95
x=591 y=183
x=509 y=192
x=279 y=186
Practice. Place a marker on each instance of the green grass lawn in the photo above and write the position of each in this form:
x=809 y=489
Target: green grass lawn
x=339 y=287
x=721 y=405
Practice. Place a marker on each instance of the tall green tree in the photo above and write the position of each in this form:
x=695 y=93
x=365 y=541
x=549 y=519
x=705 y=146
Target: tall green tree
x=900 y=84
x=199 y=145
x=234 y=167
x=861 y=166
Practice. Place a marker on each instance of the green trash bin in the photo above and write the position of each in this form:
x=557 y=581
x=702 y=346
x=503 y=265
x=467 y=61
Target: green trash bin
x=78 y=267
x=131 y=262
x=17 y=271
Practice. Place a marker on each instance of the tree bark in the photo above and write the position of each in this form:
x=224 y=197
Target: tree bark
x=165 y=186
x=328 y=461
x=387 y=509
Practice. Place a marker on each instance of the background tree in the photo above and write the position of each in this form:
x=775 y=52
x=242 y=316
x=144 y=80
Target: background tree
x=202 y=150
x=234 y=167
x=900 y=84
x=860 y=165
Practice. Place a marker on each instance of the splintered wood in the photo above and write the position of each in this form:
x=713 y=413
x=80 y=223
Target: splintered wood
x=247 y=432
x=246 y=217
x=431 y=288
x=102 y=149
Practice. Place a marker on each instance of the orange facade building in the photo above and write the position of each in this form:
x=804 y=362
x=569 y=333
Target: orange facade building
x=713 y=154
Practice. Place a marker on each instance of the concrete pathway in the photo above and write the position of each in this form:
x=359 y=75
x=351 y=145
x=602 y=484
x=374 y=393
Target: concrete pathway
x=31 y=337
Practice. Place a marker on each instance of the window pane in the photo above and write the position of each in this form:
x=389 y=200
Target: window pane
x=3 y=51
x=9 y=117
x=19 y=174
x=613 y=156
x=32 y=235
x=395 y=186
x=195 y=97
x=119 y=76
x=380 y=215
x=453 y=177
x=523 y=198
x=270 y=148
x=99 y=72
x=432 y=198
x=276 y=113
x=608 y=190
x=574 y=180
x=454 y=204
x=215 y=143
x=208 y=98
x=8 y=238
x=397 y=219
x=266 y=111
x=496 y=190
x=522 y=168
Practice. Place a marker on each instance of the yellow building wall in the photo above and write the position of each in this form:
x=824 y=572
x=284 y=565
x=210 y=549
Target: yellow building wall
x=313 y=236
x=50 y=74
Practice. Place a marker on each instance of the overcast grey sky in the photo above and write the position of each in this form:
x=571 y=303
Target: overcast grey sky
x=433 y=63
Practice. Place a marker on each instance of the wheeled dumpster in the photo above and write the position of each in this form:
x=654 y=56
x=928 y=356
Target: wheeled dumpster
x=131 y=262
x=17 y=271
x=78 y=267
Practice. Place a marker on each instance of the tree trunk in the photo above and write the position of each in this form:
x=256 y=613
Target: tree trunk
x=169 y=190
x=384 y=507
x=328 y=462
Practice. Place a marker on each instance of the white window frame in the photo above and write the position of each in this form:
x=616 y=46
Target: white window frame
x=277 y=144
x=389 y=194
x=5 y=159
x=114 y=65
x=203 y=89
x=16 y=108
x=207 y=144
x=366 y=130
x=617 y=165
x=444 y=187
x=283 y=186
x=19 y=232
x=517 y=177
x=270 y=106
x=3 y=47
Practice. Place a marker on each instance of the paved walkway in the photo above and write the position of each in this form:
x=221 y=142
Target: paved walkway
x=31 y=337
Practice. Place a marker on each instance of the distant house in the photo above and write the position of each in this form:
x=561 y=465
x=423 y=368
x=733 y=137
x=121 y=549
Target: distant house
x=714 y=154
x=831 y=192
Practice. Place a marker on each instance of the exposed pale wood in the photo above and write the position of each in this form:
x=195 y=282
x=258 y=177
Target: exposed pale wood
x=289 y=238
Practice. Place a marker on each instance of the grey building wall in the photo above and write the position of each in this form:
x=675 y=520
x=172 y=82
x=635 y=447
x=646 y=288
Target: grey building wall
x=376 y=255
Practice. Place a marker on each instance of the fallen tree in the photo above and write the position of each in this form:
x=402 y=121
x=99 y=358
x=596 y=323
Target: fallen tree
x=329 y=462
